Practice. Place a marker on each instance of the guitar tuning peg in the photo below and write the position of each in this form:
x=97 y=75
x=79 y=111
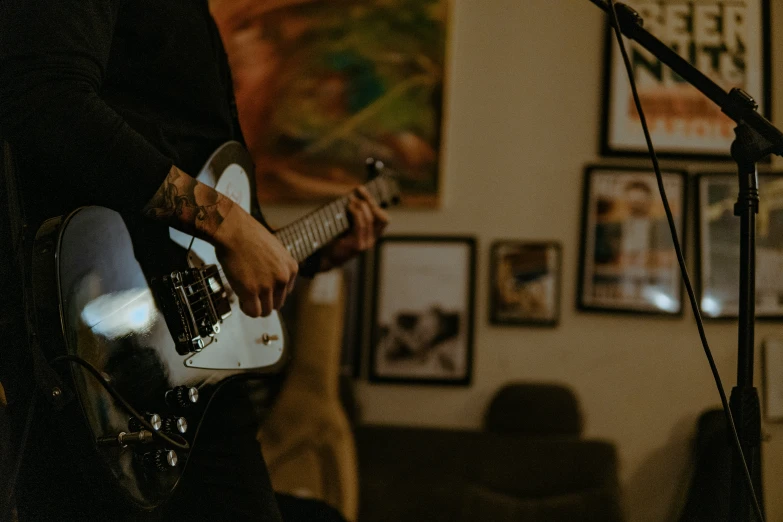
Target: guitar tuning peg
x=374 y=167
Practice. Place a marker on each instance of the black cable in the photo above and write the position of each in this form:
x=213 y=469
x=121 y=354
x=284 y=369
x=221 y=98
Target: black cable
x=681 y=261
x=6 y=507
x=126 y=405
x=181 y=444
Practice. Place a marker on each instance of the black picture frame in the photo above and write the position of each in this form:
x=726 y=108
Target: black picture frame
x=616 y=130
x=717 y=252
x=423 y=310
x=525 y=283
x=619 y=272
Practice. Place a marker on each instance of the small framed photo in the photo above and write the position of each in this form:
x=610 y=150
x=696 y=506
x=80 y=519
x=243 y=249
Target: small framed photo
x=423 y=310
x=727 y=41
x=525 y=283
x=719 y=243
x=628 y=261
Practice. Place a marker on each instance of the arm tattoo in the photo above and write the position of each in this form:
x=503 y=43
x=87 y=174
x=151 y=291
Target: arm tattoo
x=188 y=205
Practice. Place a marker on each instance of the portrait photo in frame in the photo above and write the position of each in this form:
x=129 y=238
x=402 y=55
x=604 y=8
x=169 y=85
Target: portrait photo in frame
x=422 y=326
x=718 y=238
x=525 y=283
x=628 y=262
x=727 y=41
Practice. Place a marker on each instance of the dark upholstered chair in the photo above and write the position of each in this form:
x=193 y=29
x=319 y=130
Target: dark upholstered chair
x=534 y=409
x=522 y=468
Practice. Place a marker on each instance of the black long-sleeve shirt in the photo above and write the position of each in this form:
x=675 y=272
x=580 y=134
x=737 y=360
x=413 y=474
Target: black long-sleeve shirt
x=99 y=97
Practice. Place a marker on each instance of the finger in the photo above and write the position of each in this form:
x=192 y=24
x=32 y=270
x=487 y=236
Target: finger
x=365 y=195
x=267 y=303
x=250 y=306
x=278 y=297
x=380 y=217
x=359 y=219
x=291 y=284
x=368 y=238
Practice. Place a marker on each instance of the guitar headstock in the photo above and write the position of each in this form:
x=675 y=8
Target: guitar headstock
x=383 y=184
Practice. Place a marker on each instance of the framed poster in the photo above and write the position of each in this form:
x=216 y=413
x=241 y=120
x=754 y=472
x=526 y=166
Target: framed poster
x=423 y=310
x=321 y=86
x=719 y=243
x=525 y=283
x=728 y=40
x=628 y=261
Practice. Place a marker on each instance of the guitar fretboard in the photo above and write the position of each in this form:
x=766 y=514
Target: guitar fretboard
x=307 y=235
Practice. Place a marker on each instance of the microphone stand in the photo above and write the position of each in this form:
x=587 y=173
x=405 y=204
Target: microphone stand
x=755 y=138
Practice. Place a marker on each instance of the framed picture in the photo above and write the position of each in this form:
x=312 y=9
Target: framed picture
x=423 y=310
x=719 y=243
x=628 y=262
x=727 y=41
x=525 y=283
x=321 y=86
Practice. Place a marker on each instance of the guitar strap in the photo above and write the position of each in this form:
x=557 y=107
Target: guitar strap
x=46 y=379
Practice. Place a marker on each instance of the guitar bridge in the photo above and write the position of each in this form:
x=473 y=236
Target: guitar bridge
x=194 y=303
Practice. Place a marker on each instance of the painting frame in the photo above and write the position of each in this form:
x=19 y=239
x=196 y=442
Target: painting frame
x=615 y=80
x=656 y=302
x=504 y=249
x=383 y=337
x=708 y=255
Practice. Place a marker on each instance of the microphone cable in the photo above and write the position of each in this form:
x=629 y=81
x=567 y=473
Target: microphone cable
x=681 y=262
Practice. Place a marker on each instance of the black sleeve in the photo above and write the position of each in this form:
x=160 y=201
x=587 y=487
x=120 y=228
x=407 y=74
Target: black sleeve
x=53 y=56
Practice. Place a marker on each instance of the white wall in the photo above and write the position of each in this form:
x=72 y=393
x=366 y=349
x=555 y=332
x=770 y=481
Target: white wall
x=523 y=119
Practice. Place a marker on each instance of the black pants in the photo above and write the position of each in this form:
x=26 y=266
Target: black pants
x=226 y=478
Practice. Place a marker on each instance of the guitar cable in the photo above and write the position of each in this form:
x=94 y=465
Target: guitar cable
x=681 y=261
x=6 y=507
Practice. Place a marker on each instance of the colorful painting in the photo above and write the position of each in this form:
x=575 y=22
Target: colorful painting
x=323 y=85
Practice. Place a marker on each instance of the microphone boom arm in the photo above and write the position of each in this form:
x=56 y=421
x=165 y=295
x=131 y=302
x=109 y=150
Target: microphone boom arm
x=736 y=104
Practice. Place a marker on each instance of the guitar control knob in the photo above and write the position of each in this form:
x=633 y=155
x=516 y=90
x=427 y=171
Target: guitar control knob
x=182 y=397
x=175 y=425
x=153 y=418
x=160 y=460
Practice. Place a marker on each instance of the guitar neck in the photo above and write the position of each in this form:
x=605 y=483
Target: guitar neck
x=317 y=229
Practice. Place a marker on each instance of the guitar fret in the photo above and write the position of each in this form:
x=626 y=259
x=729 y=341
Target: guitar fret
x=320 y=222
x=310 y=238
x=314 y=240
x=305 y=236
x=285 y=233
x=299 y=242
x=292 y=241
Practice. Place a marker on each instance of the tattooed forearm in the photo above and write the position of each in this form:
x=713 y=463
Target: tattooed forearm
x=188 y=205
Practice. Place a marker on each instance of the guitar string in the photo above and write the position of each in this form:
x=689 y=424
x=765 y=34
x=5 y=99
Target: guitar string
x=376 y=189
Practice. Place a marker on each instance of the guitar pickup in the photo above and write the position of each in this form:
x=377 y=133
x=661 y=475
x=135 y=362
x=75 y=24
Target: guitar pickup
x=194 y=303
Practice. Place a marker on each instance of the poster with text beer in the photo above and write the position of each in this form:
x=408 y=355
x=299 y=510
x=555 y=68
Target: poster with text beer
x=628 y=259
x=727 y=40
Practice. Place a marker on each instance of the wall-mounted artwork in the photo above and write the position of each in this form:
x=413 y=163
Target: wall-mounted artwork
x=525 y=283
x=323 y=85
x=423 y=310
x=719 y=243
x=726 y=40
x=628 y=261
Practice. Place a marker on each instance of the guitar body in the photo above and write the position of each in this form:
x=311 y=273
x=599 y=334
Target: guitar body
x=88 y=282
x=160 y=324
